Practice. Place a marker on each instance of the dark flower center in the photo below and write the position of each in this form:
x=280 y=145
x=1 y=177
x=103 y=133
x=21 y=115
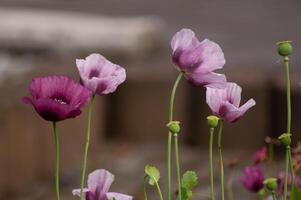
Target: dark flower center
x=94 y=73
x=60 y=100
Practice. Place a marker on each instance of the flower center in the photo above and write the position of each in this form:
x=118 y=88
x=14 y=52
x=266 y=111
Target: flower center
x=93 y=73
x=60 y=101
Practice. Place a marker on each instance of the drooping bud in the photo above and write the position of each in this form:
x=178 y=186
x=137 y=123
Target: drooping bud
x=212 y=121
x=271 y=184
x=285 y=48
x=285 y=139
x=174 y=127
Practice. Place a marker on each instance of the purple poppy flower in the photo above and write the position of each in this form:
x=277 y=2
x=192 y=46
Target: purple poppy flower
x=56 y=98
x=197 y=59
x=252 y=179
x=260 y=155
x=224 y=100
x=99 y=183
x=100 y=75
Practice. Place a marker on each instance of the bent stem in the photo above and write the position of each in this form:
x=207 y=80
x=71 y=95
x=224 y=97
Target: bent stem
x=171 y=105
x=178 y=166
x=220 y=155
x=288 y=96
x=84 y=169
x=211 y=164
x=57 y=161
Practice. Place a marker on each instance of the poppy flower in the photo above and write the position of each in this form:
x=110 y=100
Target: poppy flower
x=224 y=101
x=56 y=98
x=99 y=74
x=252 y=179
x=99 y=183
x=197 y=60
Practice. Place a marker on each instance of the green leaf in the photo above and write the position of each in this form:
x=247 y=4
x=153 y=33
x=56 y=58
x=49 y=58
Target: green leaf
x=295 y=193
x=189 y=180
x=153 y=174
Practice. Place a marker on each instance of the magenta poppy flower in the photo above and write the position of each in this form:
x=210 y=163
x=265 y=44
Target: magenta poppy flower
x=197 y=60
x=100 y=75
x=252 y=179
x=260 y=155
x=224 y=101
x=56 y=98
x=99 y=183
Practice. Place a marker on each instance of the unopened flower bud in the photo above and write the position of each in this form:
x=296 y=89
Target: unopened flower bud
x=271 y=184
x=285 y=139
x=285 y=48
x=174 y=126
x=212 y=121
x=261 y=193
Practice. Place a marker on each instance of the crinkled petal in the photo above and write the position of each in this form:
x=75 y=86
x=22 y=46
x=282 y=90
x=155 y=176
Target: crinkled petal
x=100 y=75
x=214 y=98
x=118 y=196
x=201 y=79
x=234 y=94
x=86 y=193
x=183 y=39
x=247 y=105
x=212 y=56
x=99 y=183
x=230 y=113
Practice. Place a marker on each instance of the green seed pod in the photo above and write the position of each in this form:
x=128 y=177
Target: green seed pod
x=174 y=126
x=212 y=121
x=285 y=48
x=285 y=139
x=270 y=184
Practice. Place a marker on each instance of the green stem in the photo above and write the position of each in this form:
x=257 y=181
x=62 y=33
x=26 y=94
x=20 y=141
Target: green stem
x=159 y=190
x=291 y=166
x=212 y=195
x=288 y=94
x=178 y=166
x=274 y=196
x=220 y=155
x=83 y=177
x=144 y=187
x=169 y=145
x=271 y=152
x=57 y=160
x=288 y=130
x=286 y=172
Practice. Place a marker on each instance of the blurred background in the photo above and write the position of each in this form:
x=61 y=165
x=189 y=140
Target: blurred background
x=44 y=37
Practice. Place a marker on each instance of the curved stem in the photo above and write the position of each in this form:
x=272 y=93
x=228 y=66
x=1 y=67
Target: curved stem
x=178 y=166
x=144 y=187
x=169 y=145
x=83 y=177
x=57 y=160
x=291 y=166
x=220 y=155
x=212 y=195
